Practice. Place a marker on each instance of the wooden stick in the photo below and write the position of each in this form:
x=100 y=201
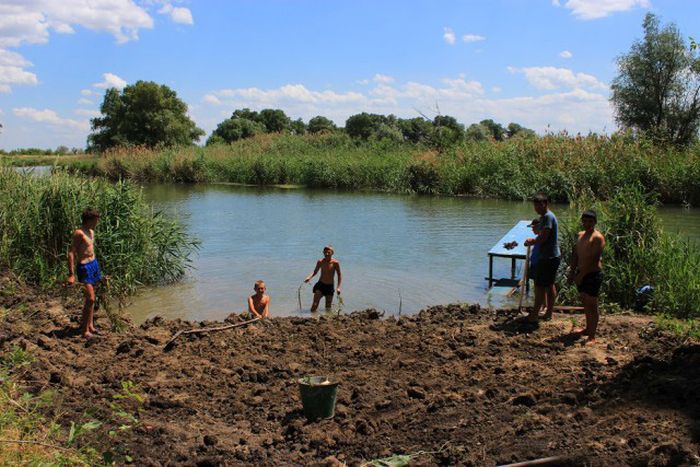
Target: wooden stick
x=556 y=460
x=205 y=330
x=526 y=269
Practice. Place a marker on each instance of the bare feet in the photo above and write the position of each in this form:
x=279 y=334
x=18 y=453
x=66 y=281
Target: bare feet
x=590 y=341
x=88 y=335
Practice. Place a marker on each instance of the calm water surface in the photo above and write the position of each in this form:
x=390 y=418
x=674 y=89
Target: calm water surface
x=396 y=251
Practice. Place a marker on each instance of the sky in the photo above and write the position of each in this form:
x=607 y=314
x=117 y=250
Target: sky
x=545 y=64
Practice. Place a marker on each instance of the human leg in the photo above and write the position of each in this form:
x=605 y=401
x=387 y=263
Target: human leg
x=86 y=324
x=329 y=301
x=539 y=300
x=317 y=299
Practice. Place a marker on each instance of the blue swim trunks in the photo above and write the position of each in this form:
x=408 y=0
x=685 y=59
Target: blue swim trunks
x=89 y=273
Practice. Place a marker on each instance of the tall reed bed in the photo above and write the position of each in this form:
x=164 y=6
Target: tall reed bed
x=563 y=166
x=639 y=252
x=135 y=245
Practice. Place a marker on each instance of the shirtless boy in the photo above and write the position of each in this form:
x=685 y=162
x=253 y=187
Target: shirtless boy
x=259 y=303
x=587 y=273
x=325 y=286
x=82 y=249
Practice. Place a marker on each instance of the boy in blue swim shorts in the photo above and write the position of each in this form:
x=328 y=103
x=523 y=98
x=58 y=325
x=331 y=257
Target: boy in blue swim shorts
x=82 y=250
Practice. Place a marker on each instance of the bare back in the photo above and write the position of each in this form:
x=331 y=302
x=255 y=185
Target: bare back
x=589 y=250
x=83 y=244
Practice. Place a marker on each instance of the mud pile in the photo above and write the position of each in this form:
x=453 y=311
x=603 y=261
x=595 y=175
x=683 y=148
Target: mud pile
x=463 y=385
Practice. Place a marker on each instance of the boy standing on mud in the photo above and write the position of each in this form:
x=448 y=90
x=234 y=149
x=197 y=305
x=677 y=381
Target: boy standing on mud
x=587 y=272
x=82 y=248
x=549 y=259
x=259 y=302
x=325 y=286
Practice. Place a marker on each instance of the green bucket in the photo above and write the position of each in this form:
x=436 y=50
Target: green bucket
x=318 y=397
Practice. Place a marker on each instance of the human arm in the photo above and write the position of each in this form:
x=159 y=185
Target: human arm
x=71 y=258
x=540 y=239
x=318 y=266
x=266 y=311
x=573 y=264
x=340 y=276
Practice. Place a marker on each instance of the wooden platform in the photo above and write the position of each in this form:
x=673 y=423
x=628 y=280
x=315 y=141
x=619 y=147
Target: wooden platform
x=519 y=233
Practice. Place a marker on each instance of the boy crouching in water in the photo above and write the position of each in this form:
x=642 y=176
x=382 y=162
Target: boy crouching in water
x=325 y=285
x=259 y=302
x=82 y=248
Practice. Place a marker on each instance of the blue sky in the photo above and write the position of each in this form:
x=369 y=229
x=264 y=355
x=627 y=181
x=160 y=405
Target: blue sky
x=546 y=64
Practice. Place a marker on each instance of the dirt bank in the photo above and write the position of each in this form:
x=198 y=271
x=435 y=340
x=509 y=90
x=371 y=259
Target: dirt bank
x=472 y=387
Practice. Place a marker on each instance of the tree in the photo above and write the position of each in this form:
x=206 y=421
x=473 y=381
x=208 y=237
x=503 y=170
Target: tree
x=363 y=125
x=275 y=120
x=298 y=127
x=477 y=132
x=515 y=130
x=657 y=89
x=497 y=131
x=233 y=129
x=320 y=124
x=447 y=131
x=144 y=113
x=416 y=130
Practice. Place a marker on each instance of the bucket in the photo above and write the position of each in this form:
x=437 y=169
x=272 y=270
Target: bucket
x=318 y=397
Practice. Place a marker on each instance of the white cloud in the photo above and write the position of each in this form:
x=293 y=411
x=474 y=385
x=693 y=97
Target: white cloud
x=110 y=80
x=473 y=38
x=29 y=21
x=594 y=9
x=88 y=92
x=211 y=99
x=575 y=109
x=548 y=78
x=89 y=113
x=449 y=36
x=49 y=117
x=565 y=54
x=379 y=78
x=12 y=71
x=84 y=101
x=362 y=82
x=177 y=14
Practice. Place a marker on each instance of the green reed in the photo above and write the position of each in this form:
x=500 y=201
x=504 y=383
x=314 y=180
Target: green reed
x=562 y=166
x=638 y=252
x=135 y=245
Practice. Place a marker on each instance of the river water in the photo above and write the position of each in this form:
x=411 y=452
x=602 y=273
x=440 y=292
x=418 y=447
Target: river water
x=397 y=252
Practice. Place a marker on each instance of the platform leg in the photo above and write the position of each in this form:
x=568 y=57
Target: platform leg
x=512 y=268
x=490 y=271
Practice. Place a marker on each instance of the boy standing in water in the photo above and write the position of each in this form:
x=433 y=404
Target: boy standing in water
x=259 y=303
x=325 y=286
x=82 y=248
x=588 y=274
x=549 y=259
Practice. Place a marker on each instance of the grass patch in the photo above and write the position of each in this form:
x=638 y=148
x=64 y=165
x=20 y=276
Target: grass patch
x=135 y=245
x=680 y=327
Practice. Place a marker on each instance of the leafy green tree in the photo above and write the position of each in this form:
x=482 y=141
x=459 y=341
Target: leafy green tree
x=363 y=125
x=515 y=130
x=416 y=130
x=275 y=120
x=144 y=113
x=320 y=124
x=233 y=129
x=298 y=127
x=247 y=114
x=657 y=89
x=496 y=129
x=447 y=131
x=477 y=132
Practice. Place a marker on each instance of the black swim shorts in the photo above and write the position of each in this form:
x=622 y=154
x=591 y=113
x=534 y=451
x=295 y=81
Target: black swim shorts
x=546 y=271
x=590 y=284
x=325 y=289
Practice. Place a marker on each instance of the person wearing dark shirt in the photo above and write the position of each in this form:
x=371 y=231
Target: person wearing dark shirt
x=547 y=242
